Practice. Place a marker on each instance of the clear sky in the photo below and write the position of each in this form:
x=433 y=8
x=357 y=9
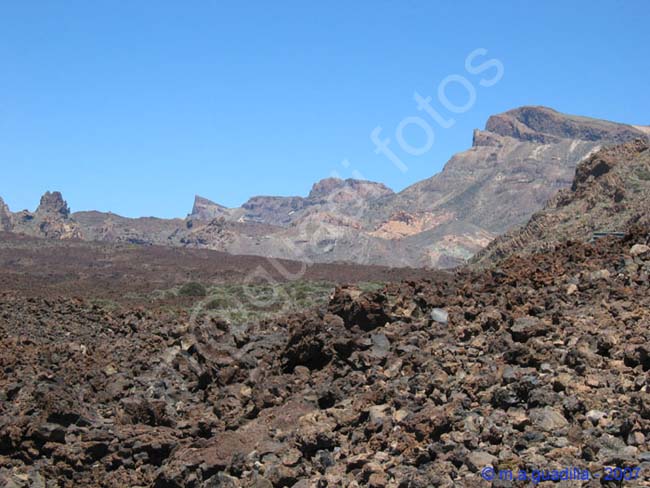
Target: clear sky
x=134 y=107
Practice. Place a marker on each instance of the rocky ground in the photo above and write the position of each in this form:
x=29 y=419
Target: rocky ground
x=134 y=275
x=540 y=363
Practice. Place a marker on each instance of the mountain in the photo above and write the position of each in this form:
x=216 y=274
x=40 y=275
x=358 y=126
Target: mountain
x=512 y=169
x=333 y=195
x=515 y=165
x=610 y=193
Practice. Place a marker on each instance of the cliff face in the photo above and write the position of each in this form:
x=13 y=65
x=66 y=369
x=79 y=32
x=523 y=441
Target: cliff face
x=521 y=159
x=205 y=209
x=544 y=125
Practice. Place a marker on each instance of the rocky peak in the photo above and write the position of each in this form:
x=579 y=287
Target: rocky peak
x=545 y=125
x=328 y=186
x=50 y=220
x=53 y=203
x=325 y=186
x=205 y=209
x=5 y=216
x=200 y=202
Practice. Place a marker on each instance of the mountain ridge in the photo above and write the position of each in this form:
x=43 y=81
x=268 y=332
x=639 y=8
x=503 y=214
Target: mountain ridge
x=514 y=166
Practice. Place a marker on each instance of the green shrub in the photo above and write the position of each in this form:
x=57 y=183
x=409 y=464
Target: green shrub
x=218 y=304
x=300 y=295
x=192 y=289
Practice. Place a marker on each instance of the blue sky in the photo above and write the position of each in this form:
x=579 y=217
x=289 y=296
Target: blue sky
x=134 y=107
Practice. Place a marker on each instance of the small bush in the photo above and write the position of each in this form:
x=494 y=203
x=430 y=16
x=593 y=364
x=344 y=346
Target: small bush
x=218 y=304
x=643 y=174
x=369 y=286
x=193 y=289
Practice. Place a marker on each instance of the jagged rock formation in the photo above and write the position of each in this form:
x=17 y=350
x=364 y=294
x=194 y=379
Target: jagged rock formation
x=521 y=159
x=205 y=209
x=6 y=223
x=330 y=195
x=51 y=219
x=53 y=204
x=610 y=192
